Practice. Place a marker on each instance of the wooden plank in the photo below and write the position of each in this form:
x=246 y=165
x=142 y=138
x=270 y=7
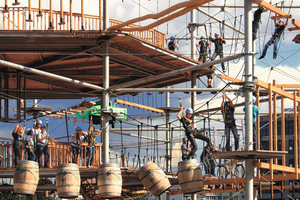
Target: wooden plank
x=283 y=129
x=258 y=127
x=295 y=136
x=288 y=85
x=272 y=8
x=139 y=106
x=187 y=6
x=298 y=130
x=296 y=24
x=270 y=129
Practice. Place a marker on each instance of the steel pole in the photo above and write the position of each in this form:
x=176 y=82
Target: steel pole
x=168 y=157
x=192 y=29
x=193 y=96
x=248 y=99
x=105 y=97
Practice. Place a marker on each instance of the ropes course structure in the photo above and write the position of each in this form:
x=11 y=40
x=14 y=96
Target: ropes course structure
x=136 y=64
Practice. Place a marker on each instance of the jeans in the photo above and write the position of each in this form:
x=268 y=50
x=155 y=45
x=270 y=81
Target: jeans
x=235 y=135
x=40 y=151
x=75 y=152
x=90 y=156
x=193 y=142
x=31 y=155
x=254 y=137
x=274 y=41
x=213 y=57
x=17 y=152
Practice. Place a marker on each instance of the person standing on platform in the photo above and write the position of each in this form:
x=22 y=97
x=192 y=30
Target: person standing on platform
x=219 y=41
x=42 y=147
x=185 y=151
x=227 y=110
x=255 y=113
x=75 y=144
x=92 y=133
x=30 y=145
x=17 y=135
x=256 y=21
x=172 y=45
x=203 y=45
x=208 y=161
x=279 y=28
x=191 y=132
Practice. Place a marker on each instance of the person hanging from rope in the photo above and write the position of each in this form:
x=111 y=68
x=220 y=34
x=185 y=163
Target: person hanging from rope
x=255 y=113
x=92 y=133
x=185 y=151
x=227 y=109
x=203 y=45
x=18 y=134
x=76 y=144
x=256 y=21
x=172 y=45
x=279 y=28
x=219 y=41
x=30 y=144
x=191 y=132
x=42 y=147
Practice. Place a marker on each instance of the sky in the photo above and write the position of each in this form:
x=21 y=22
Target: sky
x=285 y=69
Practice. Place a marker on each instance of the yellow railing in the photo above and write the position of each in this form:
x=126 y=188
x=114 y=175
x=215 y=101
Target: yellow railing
x=59 y=153
x=17 y=19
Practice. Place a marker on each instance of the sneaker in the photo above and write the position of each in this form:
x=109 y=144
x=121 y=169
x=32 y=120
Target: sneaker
x=223 y=69
x=261 y=57
x=209 y=86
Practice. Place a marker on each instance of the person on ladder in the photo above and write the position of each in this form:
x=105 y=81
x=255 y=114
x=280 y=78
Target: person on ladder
x=203 y=45
x=219 y=41
x=185 y=151
x=256 y=21
x=279 y=28
x=191 y=132
x=227 y=110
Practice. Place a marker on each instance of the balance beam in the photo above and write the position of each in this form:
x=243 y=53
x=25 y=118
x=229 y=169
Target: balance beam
x=296 y=24
x=274 y=9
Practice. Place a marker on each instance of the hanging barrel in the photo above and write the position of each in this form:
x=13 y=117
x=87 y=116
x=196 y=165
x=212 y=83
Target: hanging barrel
x=109 y=181
x=26 y=177
x=68 y=180
x=190 y=176
x=154 y=179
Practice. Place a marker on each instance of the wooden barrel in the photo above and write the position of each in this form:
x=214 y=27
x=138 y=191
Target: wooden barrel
x=154 y=179
x=26 y=177
x=109 y=181
x=190 y=176
x=68 y=180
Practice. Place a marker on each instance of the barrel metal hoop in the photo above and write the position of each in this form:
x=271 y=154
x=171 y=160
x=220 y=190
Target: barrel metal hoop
x=157 y=183
x=152 y=171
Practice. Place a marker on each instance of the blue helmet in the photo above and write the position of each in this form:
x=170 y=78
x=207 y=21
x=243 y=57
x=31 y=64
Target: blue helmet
x=189 y=111
x=43 y=126
x=281 y=21
x=202 y=37
x=216 y=34
x=184 y=139
x=39 y=121
x=78 y=128
x=226 y=102
x=172 y=38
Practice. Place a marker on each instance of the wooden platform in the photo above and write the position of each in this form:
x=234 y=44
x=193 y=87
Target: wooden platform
x=243 y=155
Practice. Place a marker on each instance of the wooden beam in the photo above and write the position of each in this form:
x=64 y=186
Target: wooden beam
x=275 y=121
x=272 y=8
x=270 y=128
x=288 y=85
x=187 y=7
x=283 y=129
x=296 y=24
x=295 y=136
x=139 y=106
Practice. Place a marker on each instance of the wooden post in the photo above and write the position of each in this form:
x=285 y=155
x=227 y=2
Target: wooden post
x=29 y=12
x=298 y=130
x=295 y=135
x=82 y=15
x=123 y=160
x=51 y=17
x=283 y=130
x=5 y=7
x=71 y=16
x=40 y=9
x=270 y=129
x=100 y=16
x=62 y=22
x=16 y=3
x=275 y=121
x=258 y=127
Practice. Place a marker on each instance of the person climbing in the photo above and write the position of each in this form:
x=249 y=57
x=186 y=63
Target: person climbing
x=184 y=149
x=219 y=41
x=227 y=110
x=18 y=134
x=208 y=161
x=256 y=21
x=203 y=45
x=75 y=144
x=42 y=147
x=279 y=28
x=255 y=113
x=191 y=132
x=172 y=45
